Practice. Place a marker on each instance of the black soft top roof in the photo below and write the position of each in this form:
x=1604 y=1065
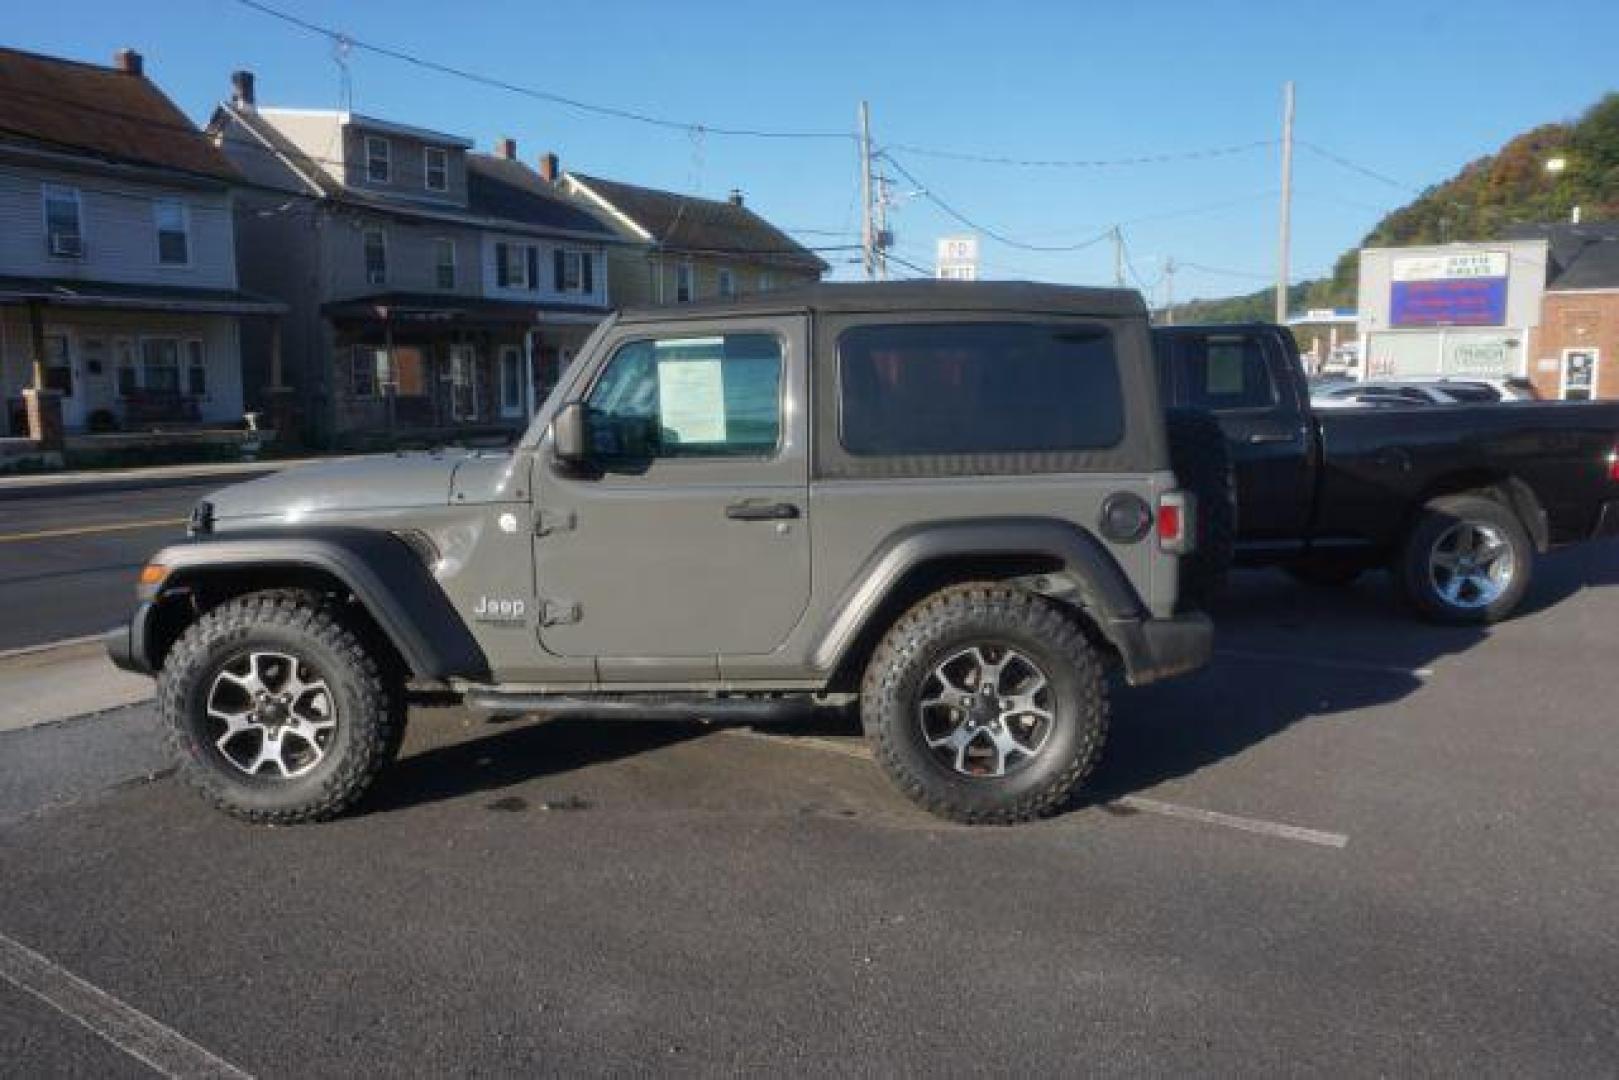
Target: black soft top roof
x=894 y=296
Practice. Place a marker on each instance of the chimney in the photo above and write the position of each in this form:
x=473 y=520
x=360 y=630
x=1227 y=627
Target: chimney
x=506 y=148
x=129 y=62
x=241 y=90
x=736 y=196
x=550 y=168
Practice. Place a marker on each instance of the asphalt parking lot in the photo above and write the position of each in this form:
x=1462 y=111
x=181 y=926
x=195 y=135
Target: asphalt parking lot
x=1356 y=844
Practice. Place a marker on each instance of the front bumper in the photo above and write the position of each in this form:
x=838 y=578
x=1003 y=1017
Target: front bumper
x=1154 y=649
x=126 y=645
x=1607 y=521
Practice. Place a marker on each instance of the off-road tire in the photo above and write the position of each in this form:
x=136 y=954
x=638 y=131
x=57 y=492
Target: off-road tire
x=365 y=680
x=986 y=613
x=1436 y=518
x=1201 y=458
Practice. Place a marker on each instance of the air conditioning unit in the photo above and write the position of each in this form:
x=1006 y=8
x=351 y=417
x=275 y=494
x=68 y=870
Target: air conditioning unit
x=67 y=245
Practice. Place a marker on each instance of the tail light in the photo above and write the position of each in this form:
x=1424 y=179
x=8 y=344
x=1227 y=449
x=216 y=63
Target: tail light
x=1613 y=464
x=1176 y=522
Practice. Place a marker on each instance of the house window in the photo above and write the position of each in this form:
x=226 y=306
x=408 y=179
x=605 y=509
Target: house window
x=683 y=283
x=436 y=168
x=517 y=266
x=727 y=282
x=58 y=364
x=511 y=380
x=378 y=159
x=444 y=262
x=64 y=236
x=376 y=257
x=574 y=271
x=128 y=374
x=766 y=282
x=369 y=371
x=173 y=232
x=160 y=365
x=196 y=369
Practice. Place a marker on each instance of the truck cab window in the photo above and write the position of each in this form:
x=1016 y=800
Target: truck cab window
x=1221 y=372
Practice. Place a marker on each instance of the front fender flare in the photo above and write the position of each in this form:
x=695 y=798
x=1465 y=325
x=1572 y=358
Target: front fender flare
x=385 y=575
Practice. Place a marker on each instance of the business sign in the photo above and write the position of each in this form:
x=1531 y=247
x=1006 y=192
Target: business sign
x=957 y=258
x=1456 y=289
x=1482 y=360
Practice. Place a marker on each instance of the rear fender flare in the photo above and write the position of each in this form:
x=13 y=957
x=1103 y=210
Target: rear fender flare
x=1106 y=591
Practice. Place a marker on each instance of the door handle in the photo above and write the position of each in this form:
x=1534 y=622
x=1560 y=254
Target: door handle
x=754 y=511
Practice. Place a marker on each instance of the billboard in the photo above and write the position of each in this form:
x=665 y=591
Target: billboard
x=1457 y=289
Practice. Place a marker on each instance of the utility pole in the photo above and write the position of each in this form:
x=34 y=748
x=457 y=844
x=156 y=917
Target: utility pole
x=1118 y=257
x=1169 y=291
x=1285 y=240
x=882 y=198
x=868 y=236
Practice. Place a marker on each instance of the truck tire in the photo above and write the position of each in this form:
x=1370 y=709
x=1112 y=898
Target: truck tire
x=1467 y=561
x=280 y=709
x=986 y=704
x=1201 y=458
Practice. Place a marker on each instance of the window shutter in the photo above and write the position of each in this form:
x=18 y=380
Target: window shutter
x=559 y=269
x=502 y=276
x=587 y=270
x=533 y=268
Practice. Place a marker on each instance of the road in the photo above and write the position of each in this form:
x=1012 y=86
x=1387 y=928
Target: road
x=1356 y=844
x=68 y=561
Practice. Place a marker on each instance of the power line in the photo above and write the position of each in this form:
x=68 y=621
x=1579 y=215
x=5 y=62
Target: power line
x=1081 y=163
x=1344 y=162
x=928 y=194
x=528 y=91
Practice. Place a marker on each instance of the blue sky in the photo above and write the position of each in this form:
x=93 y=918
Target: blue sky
x=1409 y=90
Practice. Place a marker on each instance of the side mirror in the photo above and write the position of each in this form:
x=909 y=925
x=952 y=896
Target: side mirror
x=570 y=434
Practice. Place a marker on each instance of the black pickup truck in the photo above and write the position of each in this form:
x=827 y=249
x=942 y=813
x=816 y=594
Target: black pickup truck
x=1455 y=500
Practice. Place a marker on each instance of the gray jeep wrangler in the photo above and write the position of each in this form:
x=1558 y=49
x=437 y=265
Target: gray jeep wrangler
x=952 y=499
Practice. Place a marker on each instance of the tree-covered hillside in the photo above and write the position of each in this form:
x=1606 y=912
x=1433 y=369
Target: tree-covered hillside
x=1508 y=187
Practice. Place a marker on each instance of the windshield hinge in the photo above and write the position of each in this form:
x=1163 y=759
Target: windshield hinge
x=560 y=612
x=547 y=522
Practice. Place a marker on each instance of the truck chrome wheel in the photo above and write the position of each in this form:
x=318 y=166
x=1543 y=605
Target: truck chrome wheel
x=1471 y=565
x=986 y=710
x=273 y=714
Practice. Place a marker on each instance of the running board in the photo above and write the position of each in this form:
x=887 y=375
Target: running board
x=735 y=710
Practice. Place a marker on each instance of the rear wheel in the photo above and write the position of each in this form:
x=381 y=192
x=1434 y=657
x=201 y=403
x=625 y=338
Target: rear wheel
x=1468 y=560
x=279 y=709
x=986 y=704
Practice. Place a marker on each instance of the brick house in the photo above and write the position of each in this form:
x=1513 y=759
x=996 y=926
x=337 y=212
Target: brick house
x=434 y=291
x=1575 y=349
x=686 y=248
x=119 y=295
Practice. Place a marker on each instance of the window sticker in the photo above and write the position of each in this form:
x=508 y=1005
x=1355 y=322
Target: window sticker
x=691 y=393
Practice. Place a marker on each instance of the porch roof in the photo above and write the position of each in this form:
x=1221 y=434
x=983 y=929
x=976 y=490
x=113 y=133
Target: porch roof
x=67 y=292
x=405 y=307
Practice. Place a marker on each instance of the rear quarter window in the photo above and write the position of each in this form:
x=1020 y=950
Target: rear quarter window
x=978 y=388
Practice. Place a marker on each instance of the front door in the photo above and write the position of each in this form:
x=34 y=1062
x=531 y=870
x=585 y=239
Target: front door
x=688 y=537
x=96 y=382
x=1579 y=374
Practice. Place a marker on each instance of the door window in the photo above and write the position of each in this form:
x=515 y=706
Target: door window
x=511 y=381
x=689 y=397
x=58 y=364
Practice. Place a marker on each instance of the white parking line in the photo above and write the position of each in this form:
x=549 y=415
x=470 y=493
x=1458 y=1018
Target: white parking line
x=1232 y=821
x=1131 y=802
x=1322 y=662
x=146 y=1040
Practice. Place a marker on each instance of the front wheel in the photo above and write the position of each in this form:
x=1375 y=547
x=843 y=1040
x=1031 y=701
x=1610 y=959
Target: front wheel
x=987 y=704
x=280 y=709
x=1467 y=561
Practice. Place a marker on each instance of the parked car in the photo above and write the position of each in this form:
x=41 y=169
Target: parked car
x=1514 y=388
x=954 y=499
x=1457 y=504
x=1384 y=393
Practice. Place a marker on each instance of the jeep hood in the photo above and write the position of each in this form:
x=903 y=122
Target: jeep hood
x=361 y=485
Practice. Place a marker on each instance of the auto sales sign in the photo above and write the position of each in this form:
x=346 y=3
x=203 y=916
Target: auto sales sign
x=1456 y=289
